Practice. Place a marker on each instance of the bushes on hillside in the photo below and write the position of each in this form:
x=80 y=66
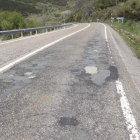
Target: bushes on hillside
x=14 y=20
x=129 y=9
x=132 y=9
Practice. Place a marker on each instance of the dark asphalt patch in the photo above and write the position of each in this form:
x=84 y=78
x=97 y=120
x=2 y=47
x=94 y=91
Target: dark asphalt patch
x=113 y=73
x=68 y=121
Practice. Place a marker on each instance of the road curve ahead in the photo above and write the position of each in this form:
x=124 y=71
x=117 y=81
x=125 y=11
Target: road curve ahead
x=80 y=83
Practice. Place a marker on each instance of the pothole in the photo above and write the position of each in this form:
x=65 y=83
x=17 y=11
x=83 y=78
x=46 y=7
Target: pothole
x=68 y=121
x=91 y=69
x=113 y=73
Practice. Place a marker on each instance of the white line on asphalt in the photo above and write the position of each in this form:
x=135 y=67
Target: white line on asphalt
x=127 y=112
x=27 y=37
x=38 y=50
x=105 y=33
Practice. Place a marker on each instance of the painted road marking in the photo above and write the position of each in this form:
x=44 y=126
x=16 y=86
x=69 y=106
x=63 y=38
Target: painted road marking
x=38 y=50
x=127 y=112
x=27 y=37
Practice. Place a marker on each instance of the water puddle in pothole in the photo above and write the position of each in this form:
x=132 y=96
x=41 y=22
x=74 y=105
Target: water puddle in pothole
x=91 y=69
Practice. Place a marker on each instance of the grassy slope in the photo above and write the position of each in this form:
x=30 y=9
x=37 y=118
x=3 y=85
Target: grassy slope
x=130 y=31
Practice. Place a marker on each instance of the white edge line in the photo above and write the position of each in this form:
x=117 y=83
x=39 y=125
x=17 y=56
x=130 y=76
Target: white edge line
x=127 y=112
x=41 y=34
x=38 y=50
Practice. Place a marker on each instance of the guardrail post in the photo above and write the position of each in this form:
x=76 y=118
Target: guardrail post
x=36 y=32
x=12 y=36
x=50 y=29
x=21 y=34
x=31 y=33
x=42 y=30
x=0 y=38
x=46 y=30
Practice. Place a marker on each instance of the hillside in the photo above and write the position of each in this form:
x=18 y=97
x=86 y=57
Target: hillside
x=93 y=9
x=42 y=12
x=23 y=8
x=27 y=7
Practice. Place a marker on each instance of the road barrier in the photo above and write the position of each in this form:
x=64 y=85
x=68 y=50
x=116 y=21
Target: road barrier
x=31 y=30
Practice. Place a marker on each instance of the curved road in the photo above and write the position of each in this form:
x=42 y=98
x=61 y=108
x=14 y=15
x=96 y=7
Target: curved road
x=79 y=83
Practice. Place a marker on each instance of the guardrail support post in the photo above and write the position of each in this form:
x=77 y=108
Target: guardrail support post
x=0 y=38
x=21 y=34
x=36 y=32
x=30 y=32
x=42 y=30
x=46 y=30
x=50 y=29
x=12 y=36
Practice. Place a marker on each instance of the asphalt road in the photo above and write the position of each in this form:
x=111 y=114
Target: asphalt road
x=83 y=86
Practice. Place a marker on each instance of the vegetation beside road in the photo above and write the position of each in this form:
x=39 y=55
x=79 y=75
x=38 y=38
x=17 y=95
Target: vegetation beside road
x=14 y=20
x=43 y=12
x=130 y=31
x=86 y=10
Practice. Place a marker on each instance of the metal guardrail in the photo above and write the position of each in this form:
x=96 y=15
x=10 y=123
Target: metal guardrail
x=21 y=31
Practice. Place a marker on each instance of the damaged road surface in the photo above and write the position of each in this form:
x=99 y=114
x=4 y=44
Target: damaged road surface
x=80 y=88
